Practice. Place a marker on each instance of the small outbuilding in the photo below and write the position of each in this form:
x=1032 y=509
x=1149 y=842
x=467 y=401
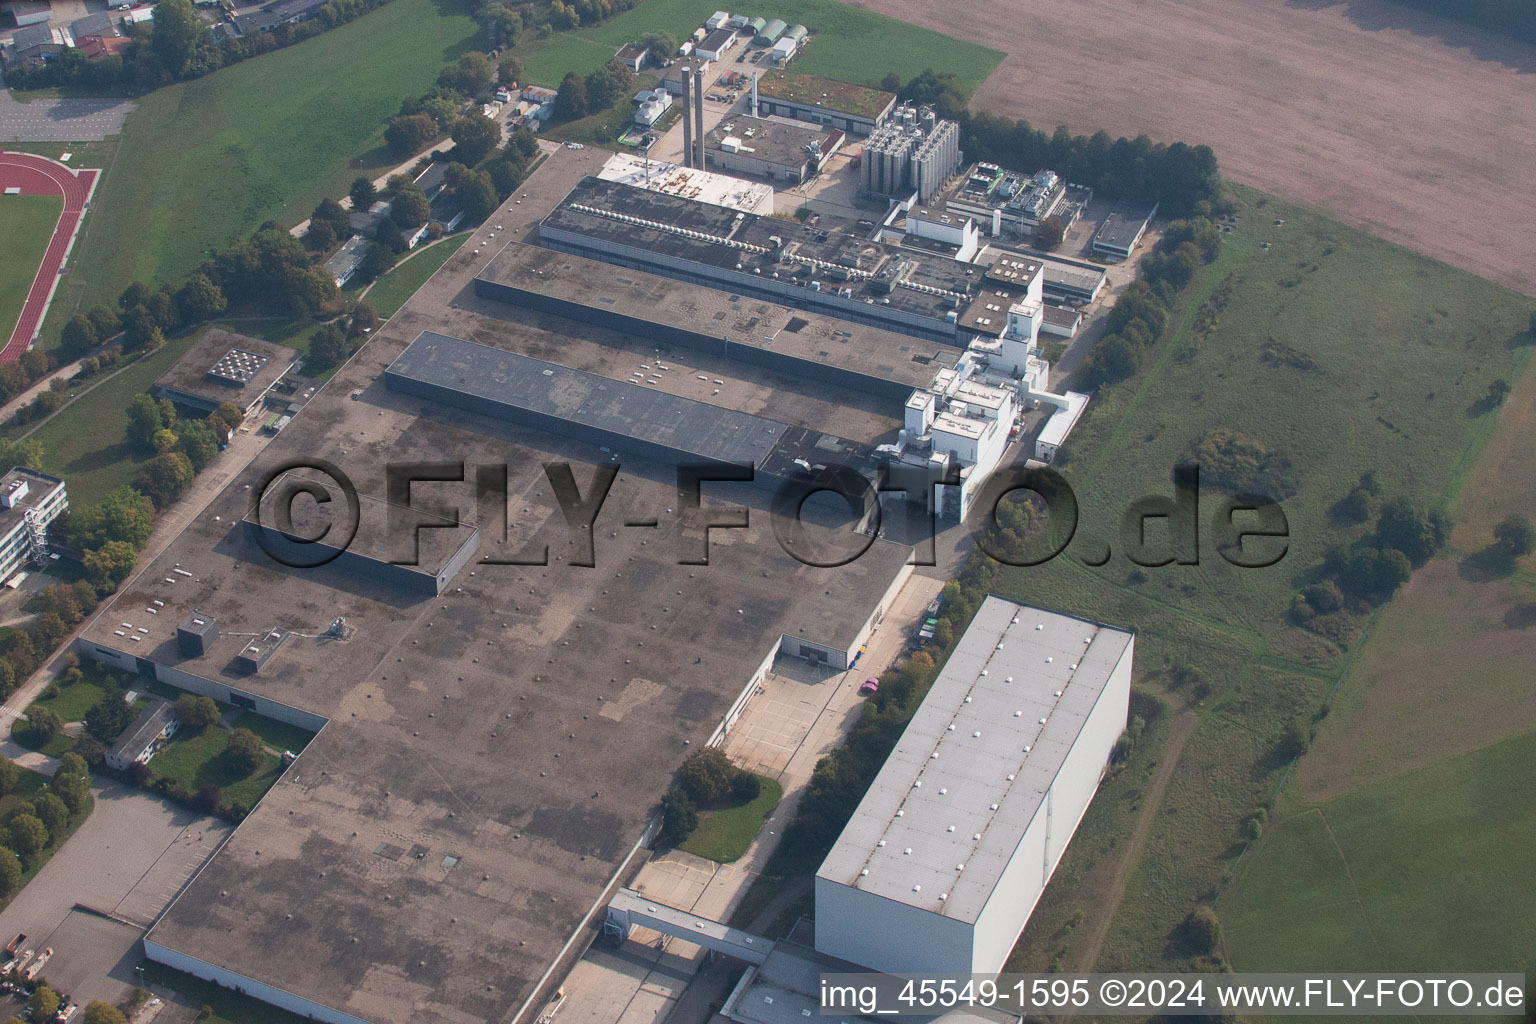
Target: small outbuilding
x=155 y=725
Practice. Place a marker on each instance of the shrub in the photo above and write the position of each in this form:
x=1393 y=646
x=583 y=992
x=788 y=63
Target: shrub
x=195 y=711
x=679 y=817
x=1295 y=738
x=707 y=775
x=745 y=787
x=1202 y=930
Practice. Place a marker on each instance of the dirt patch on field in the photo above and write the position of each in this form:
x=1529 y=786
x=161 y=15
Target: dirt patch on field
x=1413 y=128
x=1445 y=671
x=1504 y=480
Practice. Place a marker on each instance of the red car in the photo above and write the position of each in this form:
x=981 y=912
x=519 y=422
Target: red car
x=870 y=686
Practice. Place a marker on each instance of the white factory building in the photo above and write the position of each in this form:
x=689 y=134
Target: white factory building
x=945 y=858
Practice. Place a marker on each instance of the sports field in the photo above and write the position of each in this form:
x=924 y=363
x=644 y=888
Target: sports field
x=1414 y=128
x=848 y=43
x=1345 y=352
x=203 y=163
x=26 y=224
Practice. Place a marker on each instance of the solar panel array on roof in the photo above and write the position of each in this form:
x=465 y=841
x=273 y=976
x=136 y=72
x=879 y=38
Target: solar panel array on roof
x=237 y=367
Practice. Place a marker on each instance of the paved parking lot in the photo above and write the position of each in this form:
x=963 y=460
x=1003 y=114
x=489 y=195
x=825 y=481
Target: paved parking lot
x=776 y=723
x=94 y=899
x=61 y=120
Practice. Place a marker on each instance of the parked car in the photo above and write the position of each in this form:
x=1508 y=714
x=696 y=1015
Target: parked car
x=870 y=685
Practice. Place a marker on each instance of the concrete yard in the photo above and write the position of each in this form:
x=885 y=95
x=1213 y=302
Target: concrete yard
x=61 y=120
x=93 y=900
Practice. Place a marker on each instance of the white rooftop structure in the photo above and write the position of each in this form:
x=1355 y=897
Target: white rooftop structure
x=704 y=186
x=944 y=859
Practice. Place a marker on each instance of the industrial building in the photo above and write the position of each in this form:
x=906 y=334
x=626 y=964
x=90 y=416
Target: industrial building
x=946 y=856
x=914 y=152
x=856 y=109
x=1006 y=202
x=716 y=44
x=1121 y=231
x=29 y=503
x=225 y=367
x=488 y=752
x=776 y=150
x=650 y=105
x=702 y=186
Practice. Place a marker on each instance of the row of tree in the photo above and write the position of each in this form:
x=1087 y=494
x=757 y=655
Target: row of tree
x=1140 y=315
x=599 y=90
x=30 y=826
x=706 y=779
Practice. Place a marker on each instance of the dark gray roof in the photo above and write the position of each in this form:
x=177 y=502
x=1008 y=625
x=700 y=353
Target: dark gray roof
x=489 y=377
x=1122 y=227
x=98 y=24
x=32 y=35
x=142 y=733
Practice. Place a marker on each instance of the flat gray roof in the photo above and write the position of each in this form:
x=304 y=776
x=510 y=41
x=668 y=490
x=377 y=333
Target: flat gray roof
x=492 y=753
x=190 y=377
x=948 y=809
x=776 y=142
x=39 y=486
x=1122 y=227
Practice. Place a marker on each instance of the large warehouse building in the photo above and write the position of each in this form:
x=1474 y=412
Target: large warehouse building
x=946 y=856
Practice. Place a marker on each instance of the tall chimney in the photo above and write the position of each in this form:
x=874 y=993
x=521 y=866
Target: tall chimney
x=687 y=121
x=698 y=113
x=754 y=93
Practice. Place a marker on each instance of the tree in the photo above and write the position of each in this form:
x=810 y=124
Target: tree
x=29 y=836
x=505 y=177
x=364 y=319
x=363 y=193
x=78 y=337
x=410 y=208
x=1416 y=534
x=10 y=873
x=410 y=133
x=53 y=813
x=145 y=418
x=74 y=788
x=106 y=322
x=97 y=1012
x=21 y=453
x=43 y=1004
x=245 y=751
x=661 y=44
x=377 y=259
x=136 y=294
x=679 y=817
x=1498 y=391
x=1202 y=930
x=328 y=347
x=1295 y=738
x=231 y=415
x=109 y=565
x=477 y=197
x=509 y=70
x=1111 y=361
x=163 y=441
x=91 y=749
x=503 y=24
x=1374 y=573
x=1049 y=233
x=122 y=514
x=571 y=98
x=197 y=443
x=706 y=775
x=387 y=233
x=196 y=712
x=209 y=797
x=320 y=236
x=474 y=136
x=177 y=33
x=43 y=724
x=471 y=74
x=164 y=477
x=200 y=299
x=10 y=775
x=522 y=145
x=162 y=307
x=1515 y=536
x=334 y=214
x=745 y=787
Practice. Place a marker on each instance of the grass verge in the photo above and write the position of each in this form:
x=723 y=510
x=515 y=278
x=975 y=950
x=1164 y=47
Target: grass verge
x=725 y=834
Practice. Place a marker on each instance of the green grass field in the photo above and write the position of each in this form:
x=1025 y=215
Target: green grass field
x=1427 y=871
x=74 y=699
x=389 y=292
x=194 y=759
x=1385 y=354
x=203 y=163
x=724 y=835
x=848 y=43
x=26 y=224
x=84 y=441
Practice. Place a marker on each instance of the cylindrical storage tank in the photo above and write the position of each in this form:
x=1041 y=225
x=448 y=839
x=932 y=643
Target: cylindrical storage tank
x=797 y=32
x=771 y=32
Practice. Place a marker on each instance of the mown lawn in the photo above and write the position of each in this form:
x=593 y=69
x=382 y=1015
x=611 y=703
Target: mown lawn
x=203 y=163
x=193 y=760
x=74 y=699
x=275 y=734
x=849 y=43
x=389 y=292
x=723 y=835
x=85 y=441
x=26 y=224
x=1342 y=351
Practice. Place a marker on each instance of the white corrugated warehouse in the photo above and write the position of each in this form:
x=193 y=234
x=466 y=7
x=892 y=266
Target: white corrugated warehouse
x=946 y=856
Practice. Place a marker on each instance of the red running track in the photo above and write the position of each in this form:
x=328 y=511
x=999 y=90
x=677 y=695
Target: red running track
x=38 y=176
